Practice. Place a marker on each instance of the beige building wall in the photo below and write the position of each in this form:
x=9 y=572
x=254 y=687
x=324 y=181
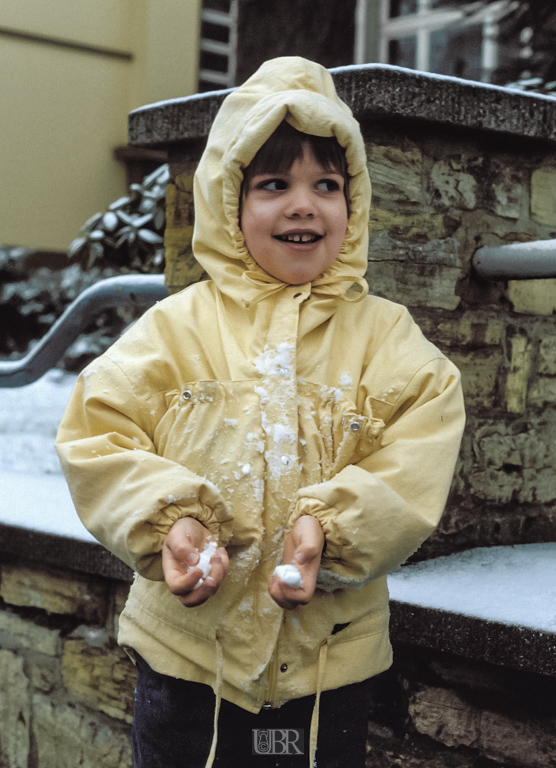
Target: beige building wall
x=71 y=72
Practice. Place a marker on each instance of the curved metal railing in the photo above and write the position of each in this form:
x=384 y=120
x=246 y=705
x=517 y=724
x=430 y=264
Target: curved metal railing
x=140 y=291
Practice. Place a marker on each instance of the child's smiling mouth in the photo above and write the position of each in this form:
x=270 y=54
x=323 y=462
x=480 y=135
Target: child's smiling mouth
x=299 y=237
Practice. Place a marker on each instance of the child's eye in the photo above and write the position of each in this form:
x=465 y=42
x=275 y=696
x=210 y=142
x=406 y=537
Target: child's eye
x=273 y=185
x=329 y=185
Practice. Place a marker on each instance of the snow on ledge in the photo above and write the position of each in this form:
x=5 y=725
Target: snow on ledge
x=40 y=503
x=513 y=585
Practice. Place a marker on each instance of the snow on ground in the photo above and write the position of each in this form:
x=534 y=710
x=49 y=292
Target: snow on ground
x=33 y=491
x=29 y=418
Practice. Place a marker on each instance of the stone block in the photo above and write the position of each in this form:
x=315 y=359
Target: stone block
x=445 y=716
x=479 y=372
x=100 y=677
x=473 y=330
x=45 y=676
x=16 y=633
x=415 y=227
x=414 y=286
x=396 y=176
x=543 y=195
x=533 y=297
x=547 y=356
x=509 y=195
x=539 y=485
x=495 y=485
x=536 y=445
x=514 y=466
x=543 y=392
x=452 y=187
x=432 y=253
x=54 y=591
x=181 y=267
x=15 y=712
x=527 y=743
x=66 y=737
x=415 y=274
x=517 y=380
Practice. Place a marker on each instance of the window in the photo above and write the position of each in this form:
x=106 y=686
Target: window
x=449 y=38
x=217 y=60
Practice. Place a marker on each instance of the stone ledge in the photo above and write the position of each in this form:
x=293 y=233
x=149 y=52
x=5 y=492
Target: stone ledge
x=28 y=546
x=374 y=91
x=500 y=644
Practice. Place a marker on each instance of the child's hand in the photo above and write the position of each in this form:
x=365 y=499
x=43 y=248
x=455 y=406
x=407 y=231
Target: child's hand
x=303 y=547
x=180 y=553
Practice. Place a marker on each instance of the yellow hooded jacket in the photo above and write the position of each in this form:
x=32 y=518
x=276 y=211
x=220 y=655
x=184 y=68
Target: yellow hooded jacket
x=246 y=402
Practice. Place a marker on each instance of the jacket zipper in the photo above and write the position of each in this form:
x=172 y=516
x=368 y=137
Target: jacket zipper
x=272 y=674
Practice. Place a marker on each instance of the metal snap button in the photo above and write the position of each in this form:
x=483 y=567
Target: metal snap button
x=186 y=395
x=355 y=426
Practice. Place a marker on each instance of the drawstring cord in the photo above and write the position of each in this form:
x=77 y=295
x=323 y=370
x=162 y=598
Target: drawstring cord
x=315 y=717
x=354 y=288
x=218 y=693
x=323 y=653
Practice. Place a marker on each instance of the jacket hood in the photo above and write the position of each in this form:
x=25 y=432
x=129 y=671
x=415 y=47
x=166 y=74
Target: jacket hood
x=302 y=93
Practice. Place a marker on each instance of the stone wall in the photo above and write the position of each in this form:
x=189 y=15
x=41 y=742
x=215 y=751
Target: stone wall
x=66 y=688
x=436 y=710
x=437 y=198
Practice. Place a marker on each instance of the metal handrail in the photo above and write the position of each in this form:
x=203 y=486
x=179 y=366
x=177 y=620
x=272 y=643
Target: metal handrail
x=139 y=291
x=518 y=261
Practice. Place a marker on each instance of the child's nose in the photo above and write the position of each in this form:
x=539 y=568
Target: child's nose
x=300 y=203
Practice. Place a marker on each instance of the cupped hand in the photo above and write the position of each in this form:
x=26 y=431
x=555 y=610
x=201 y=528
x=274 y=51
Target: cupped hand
x=180 y=551
x=303 y=547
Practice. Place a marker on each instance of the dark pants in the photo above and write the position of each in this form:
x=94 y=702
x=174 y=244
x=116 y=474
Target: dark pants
x=173 y=726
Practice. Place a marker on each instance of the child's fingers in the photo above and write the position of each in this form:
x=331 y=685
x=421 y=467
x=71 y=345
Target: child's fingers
x=181 y=583
x=289 y=597
x=189 y=587
x=195 y=591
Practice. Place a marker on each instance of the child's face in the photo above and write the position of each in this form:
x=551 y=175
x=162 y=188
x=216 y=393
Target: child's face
x=294 y=223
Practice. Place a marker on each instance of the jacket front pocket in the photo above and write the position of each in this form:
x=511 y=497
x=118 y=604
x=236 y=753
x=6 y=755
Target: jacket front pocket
x=214 y=429
x=333 y=433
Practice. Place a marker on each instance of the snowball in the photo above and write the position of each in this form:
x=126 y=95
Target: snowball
x=208 y=551
x=290 y=575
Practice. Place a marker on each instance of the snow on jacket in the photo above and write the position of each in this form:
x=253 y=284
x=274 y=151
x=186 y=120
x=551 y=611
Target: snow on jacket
x=246 y=402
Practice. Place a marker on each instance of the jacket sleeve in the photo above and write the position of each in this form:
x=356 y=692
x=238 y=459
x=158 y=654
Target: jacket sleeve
x=126 y=495
x=376 y=513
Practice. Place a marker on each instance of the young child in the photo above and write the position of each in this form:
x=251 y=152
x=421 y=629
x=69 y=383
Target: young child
x=275 y=413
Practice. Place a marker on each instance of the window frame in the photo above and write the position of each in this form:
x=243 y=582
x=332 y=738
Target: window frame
x=228 y=51
x=427 y=20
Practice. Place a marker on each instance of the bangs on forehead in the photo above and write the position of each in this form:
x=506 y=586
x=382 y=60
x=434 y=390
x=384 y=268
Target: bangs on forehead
x=285 y=146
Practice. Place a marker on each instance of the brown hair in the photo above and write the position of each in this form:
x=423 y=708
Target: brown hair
x=286 y=145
